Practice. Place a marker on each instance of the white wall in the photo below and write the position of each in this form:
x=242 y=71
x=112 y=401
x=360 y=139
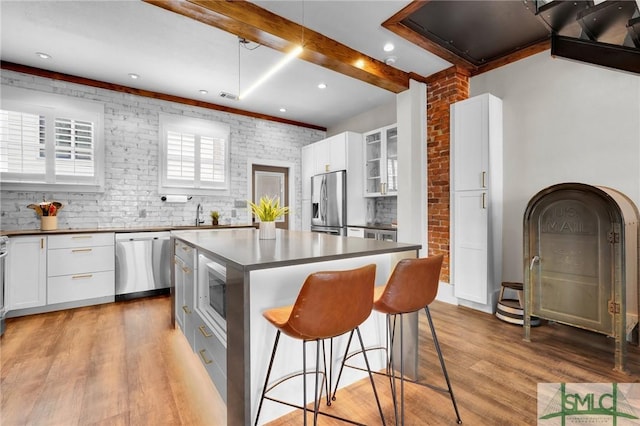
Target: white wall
x=380 y=116
x=564 y=121
x=131 y=197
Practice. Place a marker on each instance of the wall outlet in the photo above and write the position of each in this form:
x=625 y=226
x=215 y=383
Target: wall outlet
x=142 y=213
x=239 y=204
x=233 y=213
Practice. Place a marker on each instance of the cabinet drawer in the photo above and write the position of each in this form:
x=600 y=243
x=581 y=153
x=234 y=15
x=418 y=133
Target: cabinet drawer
x=80 y=240
x=70 y=288
x=186 y=253
x=80 y=260
x=217 y=370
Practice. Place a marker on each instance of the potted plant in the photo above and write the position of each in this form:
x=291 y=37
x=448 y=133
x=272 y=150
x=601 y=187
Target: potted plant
x=268 y=210
x=215 y=215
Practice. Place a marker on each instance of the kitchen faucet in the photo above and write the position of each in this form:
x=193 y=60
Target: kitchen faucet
x=198 y=212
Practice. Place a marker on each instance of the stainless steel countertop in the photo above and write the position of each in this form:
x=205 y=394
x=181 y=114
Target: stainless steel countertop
x=243 y=248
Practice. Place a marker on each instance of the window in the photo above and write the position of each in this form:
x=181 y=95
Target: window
x=50 y=142
x=194 y=154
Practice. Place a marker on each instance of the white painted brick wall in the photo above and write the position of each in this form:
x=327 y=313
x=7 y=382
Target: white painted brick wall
x=131 y=197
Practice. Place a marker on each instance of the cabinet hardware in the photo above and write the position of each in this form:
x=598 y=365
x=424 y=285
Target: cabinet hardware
x=186 y=270
x=77 y=237
x=81 y=250
x=204 y=358
x=484 y=200
x=79 y=277
x=484 y=177
x=42 y=243
x=535 y=259
x=204 y=331
x=186 y=309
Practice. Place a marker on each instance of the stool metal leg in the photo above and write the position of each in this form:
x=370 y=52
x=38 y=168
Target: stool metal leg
x=440 y=357
x=266 y=380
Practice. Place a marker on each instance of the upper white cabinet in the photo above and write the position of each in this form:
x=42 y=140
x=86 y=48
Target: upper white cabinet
x=27 y=272
x=340 y=152
x=476 y=200
x=381 y=162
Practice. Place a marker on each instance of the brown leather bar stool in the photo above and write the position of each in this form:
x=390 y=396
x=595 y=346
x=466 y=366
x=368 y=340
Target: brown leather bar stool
x=329 y=304
x=412 y=286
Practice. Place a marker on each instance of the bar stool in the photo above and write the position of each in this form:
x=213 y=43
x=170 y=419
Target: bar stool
x=329 y=304
x=412 y=286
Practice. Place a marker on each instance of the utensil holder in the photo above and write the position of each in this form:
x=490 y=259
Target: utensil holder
x=48 y=223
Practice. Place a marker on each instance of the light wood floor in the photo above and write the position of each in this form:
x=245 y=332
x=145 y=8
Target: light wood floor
x=122 y=364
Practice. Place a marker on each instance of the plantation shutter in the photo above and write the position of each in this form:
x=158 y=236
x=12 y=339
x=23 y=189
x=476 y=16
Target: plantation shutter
x=180 y=155
x=74 y=147
x=22 y=143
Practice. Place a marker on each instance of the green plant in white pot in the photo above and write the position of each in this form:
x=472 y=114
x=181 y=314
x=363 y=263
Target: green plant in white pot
x=268 y=210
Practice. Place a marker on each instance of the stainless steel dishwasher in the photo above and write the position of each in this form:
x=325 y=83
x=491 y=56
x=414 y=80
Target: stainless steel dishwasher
x=143 y=264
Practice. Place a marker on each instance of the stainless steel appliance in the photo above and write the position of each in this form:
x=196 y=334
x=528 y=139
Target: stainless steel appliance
x=4 y=251
x=329 y=203
x=212 y=294
x=581 y=251
x=380 y=234
x=143 y=264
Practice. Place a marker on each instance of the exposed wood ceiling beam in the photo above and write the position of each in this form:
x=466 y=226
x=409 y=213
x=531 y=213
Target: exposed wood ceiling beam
x=256 y=24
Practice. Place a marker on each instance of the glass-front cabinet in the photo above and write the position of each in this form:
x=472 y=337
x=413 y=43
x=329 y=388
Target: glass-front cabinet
x=381 y=162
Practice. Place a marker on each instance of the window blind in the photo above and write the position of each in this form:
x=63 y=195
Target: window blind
x=22 y=143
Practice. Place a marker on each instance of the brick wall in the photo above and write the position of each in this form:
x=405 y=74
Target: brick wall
x=131 y=197
x=443 y=89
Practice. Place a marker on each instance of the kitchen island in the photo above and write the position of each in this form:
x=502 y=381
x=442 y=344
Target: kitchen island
x=261 y=274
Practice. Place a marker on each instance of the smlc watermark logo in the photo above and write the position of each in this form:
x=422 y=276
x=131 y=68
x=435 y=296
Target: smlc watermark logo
x=615 y=404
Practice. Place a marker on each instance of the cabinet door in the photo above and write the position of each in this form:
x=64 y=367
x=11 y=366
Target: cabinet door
x=391 y=159
x=373 y=164
x=308 y=170
x=355 y=232
x=470 y=251
x=337 y=146
x=322 y=157
x=469 y=140
x=27 y=272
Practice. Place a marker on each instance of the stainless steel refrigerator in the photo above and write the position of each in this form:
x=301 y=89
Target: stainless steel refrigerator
x=329 y=203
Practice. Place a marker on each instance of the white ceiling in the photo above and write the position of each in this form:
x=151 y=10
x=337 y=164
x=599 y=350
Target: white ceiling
x=107 y=40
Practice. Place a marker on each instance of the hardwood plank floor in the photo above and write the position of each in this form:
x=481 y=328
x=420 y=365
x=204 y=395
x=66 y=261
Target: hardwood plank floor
x=122 y=364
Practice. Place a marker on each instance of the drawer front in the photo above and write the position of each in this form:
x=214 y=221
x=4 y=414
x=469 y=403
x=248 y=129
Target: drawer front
x=212 y=341
x=80 y=260
x=186 y=253
x=81 y=240
x=216 y=371
x=70 y=288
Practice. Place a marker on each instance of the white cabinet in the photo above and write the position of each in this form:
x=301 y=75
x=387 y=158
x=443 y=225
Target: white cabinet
x=26 y=272
x=339 y=152
x=355 y=232
x=476 y=200
x=381 y=162
x=80 y=267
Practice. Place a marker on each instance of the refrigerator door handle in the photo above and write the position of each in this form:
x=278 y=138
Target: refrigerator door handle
x=323 y=200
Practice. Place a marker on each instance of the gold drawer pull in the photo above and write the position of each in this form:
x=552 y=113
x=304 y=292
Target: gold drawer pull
x=186 y=309
x=204 y=358
x=204 y=331
x=79 y=277
x=81 y=250
x=186 y=270
x=78 y=237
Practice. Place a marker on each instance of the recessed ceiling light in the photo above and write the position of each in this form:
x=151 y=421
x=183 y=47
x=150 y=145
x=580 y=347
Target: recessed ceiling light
x=390 y=60
x=389 y=47
x=322 y=86
x=283 y=110
x=203 y=92
x=43 y=55
x=134 y=76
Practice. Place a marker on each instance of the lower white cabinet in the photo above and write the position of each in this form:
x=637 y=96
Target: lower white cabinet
x=80 y=267
x=26 y=273
x=355 y=232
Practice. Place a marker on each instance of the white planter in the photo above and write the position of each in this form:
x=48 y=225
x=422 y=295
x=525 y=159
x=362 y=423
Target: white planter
x=267 y=231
